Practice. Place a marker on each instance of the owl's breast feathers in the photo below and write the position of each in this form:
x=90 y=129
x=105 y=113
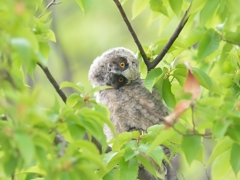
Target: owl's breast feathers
x=133 y=107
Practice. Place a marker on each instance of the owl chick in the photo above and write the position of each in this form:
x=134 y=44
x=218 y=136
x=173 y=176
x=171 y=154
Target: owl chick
x=131 y=105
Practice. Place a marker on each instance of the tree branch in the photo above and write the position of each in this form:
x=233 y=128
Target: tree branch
x=131 y=30
x=53 y=82
x=230 y=42
x=206 y=135
x=172 y=39
x=53 y=2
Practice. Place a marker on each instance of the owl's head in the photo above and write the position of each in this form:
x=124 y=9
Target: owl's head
x=112 y=64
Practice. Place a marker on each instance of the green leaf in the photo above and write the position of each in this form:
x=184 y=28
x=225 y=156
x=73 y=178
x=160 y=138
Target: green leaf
x=128 y=169
x=235 y=160
x=208 y=44
x=113 y=174
x=176 y=5
x=73 y=99
x=25 y=146
x=153 y=132
x=152 y=77
x=123 y=138
x=157 y=5
x=220 y=128
x=191 y=146
x=51 y=36
x=77 y=86
x=129 y=153
x=111 y=159
x=202 y=78
x=138 y=6
x=226 y=80
x=233 y=132
x=208 y=11
x=85 y=5
x=162 y=137
x=167 y=94
x=221 y=166
x=77 y=132
x=222 y=146
x=157 y=154
x=23 y=48
x=145 y=162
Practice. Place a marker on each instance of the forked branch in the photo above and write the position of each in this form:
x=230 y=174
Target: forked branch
x=154 y=63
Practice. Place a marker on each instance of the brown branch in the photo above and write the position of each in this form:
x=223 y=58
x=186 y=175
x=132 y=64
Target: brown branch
x=230 y=42
x=131 y=30
x=172 y=39
x=53 y=82
x=53 y=2
x=207 y=135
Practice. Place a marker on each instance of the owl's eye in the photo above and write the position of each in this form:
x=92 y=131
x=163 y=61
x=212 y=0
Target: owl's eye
x=120 y=79
x=122 y=64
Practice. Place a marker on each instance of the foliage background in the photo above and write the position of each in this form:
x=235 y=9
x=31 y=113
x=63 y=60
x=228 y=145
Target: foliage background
x=80 y=37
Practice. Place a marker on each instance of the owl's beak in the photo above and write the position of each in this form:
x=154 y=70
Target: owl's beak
x=125 y=73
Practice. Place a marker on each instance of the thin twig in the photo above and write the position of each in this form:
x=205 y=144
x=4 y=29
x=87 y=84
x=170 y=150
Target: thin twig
x=193 y=122
x=131 y=30
x=172 y=39
x=228 y=41
x=208 y=136
x=53 y=2
x=53 y=82
x=208 y=178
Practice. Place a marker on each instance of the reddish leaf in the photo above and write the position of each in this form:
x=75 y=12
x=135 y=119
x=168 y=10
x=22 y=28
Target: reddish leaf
x=192 y=85
x=180 y=108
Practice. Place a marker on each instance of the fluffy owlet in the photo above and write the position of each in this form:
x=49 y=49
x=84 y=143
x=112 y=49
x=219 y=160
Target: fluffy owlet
x=131 y=105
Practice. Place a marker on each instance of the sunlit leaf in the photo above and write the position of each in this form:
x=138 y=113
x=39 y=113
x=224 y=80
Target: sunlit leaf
x=152 y=78
x=26 y=146
x=157 y=5
x=195 y=143
x=85 y=5
x=220 y=128
x=128 y=169
x=222 y=146
x=235 y=161
x=73 y=99
x=167 y=94
x=208 y=44
x=220 y=169
x=145 y=162
x=208 y=11
x=77 y=86
x=162 y=137
x=129 y=153
x=176 y=5
x=202 y=78
x=138 y=6
x=123 y=138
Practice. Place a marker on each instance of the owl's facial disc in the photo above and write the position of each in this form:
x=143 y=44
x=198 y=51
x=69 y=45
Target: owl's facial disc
x=117 y=81
x=117 y=65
